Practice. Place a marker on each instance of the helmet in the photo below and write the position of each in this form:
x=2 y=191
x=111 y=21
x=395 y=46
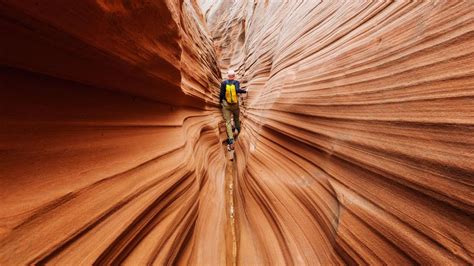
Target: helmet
x=231 y=73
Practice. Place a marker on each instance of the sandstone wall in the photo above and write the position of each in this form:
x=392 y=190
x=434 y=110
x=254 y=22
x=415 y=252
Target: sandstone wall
x=108 y=128
x=357 y=142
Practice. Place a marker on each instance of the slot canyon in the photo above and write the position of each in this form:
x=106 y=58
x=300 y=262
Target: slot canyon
x=357 y=142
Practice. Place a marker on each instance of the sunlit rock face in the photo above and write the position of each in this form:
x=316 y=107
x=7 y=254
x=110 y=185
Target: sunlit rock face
x=357 y=143
x=108 y=128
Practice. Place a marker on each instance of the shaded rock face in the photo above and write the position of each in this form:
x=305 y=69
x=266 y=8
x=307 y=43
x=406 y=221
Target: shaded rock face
x=358 y=133
x=357 y=142
x=108 y=129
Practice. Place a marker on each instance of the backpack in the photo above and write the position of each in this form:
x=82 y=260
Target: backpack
x=230 y=92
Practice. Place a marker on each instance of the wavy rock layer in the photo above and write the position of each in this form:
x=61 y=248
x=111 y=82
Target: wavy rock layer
x=357 y=144
x=358 y=134
x=108 y=129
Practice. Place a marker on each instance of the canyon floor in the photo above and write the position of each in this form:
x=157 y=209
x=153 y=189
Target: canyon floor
x=357 y=141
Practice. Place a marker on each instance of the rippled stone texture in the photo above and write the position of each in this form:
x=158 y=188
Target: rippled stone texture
x=108 y=129
x=358 y=141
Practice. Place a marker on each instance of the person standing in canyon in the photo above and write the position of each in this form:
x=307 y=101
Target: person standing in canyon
x=230 y=105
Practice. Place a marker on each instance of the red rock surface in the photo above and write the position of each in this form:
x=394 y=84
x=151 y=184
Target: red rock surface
x=357 y=143
x=108 y=131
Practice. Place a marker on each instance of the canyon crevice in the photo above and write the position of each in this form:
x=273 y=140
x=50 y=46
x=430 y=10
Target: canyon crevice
x=357 y=135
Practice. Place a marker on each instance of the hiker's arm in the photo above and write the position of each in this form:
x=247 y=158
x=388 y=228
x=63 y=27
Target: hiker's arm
x=222 y=93
x=239 y=90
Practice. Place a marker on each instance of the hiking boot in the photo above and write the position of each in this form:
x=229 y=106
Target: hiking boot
x=236 y=133
x=230 y=145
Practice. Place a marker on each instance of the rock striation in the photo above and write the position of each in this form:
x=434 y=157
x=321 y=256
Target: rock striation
x=357 y=142
x=358 y=137
x=108 y=128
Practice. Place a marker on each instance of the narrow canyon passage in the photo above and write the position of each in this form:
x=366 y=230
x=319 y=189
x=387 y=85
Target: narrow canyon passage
x=357 y=141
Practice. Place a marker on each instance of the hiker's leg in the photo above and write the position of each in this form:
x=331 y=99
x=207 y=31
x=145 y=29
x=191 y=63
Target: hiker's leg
x=236 y=112
x=226 y=111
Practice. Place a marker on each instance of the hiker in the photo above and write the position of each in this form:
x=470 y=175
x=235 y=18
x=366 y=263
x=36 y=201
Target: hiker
x=230 y=105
